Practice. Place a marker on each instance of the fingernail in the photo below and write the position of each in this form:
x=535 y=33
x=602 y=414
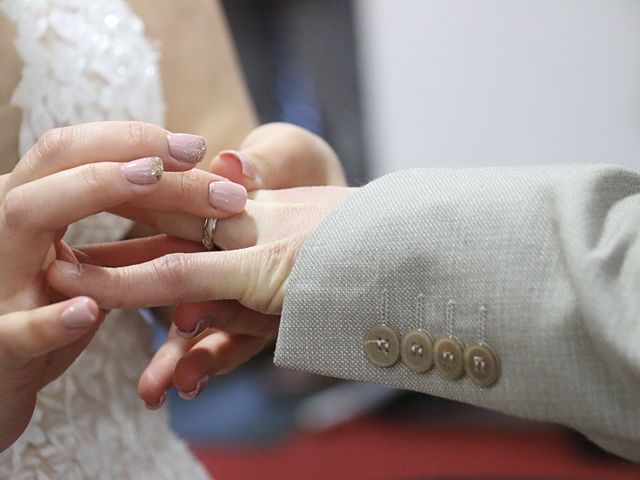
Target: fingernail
x=186 y=147
x=199 y=328
x=79 y=314
x=195 y=392
x=158 y=405
x=69 y=269
x=145 y=171
x=248 y=169
x=227 y=196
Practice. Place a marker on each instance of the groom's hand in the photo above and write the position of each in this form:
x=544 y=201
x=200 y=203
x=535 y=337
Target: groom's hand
x=274 y=156
x=279 y=155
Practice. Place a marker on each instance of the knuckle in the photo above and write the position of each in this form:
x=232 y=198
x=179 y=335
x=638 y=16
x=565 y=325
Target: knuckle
x=269 y=283
x=119 y=283
x=91 y=176
x=170 y=270
x=53 y=143
x=15 y=208
x=39 y=335
x=268 y=329
x=8 y=353
x=187 y=187
x=139 y=133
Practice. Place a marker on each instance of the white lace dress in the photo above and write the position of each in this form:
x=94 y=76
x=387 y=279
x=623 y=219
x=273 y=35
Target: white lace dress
x=88 y=60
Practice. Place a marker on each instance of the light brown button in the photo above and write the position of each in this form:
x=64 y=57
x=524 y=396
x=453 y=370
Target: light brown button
x=481 y=364
x=448 y=357
x=382 y=346
x=416 y=351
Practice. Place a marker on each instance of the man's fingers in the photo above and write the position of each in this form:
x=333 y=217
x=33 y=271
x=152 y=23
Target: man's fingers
x=27 y=335
x=276 y=156
x=182 y=225
x=157 y=378
x=217 y=351
x=68 y=147
x=131 y=252
x=169 y=280
x=191 y=319
x=256 y=225
x=214 y=354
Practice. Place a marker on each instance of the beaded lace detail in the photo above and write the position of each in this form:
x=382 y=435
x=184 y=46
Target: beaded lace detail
x=83 y=62
x=89 y=61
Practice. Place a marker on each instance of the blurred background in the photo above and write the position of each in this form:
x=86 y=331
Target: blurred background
x=396 y=84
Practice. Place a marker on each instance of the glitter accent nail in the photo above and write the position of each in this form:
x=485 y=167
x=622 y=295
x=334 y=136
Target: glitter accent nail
x=145 y=171
x=186 y=147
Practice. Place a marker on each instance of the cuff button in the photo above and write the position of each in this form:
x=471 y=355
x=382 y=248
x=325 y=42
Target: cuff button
x=382 y=346
x=481 y=364
x=448 y=352
x=416 y=351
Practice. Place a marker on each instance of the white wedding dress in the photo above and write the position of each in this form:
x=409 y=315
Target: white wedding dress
x=88 y=60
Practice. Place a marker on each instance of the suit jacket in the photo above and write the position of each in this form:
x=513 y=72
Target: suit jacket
x=542 y=264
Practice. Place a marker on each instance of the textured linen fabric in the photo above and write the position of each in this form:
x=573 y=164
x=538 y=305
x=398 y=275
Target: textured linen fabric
x=541 y=263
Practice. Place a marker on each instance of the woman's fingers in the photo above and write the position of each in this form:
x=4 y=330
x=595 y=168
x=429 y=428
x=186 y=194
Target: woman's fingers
x=53 y=202
x=278 y=155
x=31 y=213
x=30 y=334
x=68 y=147
x=196 y=192
x=191 y=319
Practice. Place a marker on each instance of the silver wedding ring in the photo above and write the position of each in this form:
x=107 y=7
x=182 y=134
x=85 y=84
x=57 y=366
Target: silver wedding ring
x=208 y=233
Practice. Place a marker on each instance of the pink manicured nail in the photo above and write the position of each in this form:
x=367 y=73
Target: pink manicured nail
x=158 y=405
x=81 y=313
x=145 y=171
x=68 y=269
x=227 y=196
x=199 y=328
x=195 y=392
x=248 y=169
x=186 y=147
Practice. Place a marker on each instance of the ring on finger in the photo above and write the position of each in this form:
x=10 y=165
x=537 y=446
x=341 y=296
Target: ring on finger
x=208 y=234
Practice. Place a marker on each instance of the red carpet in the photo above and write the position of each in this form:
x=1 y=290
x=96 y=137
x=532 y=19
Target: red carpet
x=374 y=450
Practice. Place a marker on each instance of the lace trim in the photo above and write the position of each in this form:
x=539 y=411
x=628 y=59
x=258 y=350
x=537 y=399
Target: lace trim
x=82 y=62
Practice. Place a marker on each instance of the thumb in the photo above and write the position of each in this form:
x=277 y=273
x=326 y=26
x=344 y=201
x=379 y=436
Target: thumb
x=277 y=156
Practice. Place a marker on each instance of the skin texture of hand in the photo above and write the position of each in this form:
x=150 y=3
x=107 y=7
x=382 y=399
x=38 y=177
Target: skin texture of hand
x=104 y=164
x=216 y=336
x=263 y=244
x=273 y=156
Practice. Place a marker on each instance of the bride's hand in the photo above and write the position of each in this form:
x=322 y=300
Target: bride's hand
x=273 y=156
x=69 y=174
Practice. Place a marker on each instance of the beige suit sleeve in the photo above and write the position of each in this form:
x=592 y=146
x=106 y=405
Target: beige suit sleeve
x=552 y=255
